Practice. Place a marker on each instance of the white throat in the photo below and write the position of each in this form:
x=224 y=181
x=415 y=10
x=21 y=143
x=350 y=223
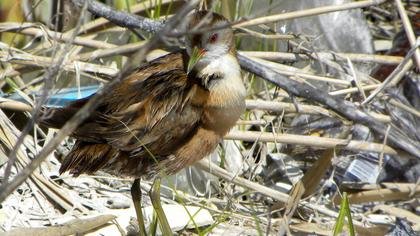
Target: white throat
x=225 y=64
x=230 y=84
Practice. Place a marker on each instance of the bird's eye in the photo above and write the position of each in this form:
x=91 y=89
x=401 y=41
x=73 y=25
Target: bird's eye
x=213 y=38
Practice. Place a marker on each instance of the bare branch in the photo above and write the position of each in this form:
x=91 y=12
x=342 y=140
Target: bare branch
x=121 y=18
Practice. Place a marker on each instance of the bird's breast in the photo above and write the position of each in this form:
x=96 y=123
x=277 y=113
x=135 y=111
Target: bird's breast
x=222 y=105
x=223 y=99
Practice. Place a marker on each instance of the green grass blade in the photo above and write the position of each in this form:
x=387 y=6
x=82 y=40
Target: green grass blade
x=344 y=212
x=348 y=214
x=195 y=57
x=153 y=225
x=339 y=224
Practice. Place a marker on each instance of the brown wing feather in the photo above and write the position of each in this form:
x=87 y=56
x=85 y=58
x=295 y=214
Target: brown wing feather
x=147 y=116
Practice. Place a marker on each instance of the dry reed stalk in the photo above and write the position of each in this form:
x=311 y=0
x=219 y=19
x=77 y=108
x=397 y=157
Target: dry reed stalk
x=14 y=105
x=73 y=227
x=400 y=213
x=267 y=36
x=353 y=90
x=296 y=72
x=44 y=62
x=393 y=78
x=321 y=142
x=409 y=31
x=404 y=107
x=395 y=193
x=354 y=57
x=308 y=12
x=118 y=50
x=287 y=107
x=37 y=30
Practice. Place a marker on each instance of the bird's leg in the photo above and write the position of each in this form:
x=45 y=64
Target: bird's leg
x=155 y=199
x=136 y=196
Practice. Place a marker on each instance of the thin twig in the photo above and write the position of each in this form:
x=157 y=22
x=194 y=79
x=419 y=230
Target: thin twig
x=407 y=108
x=353 y=145
x=73 y=227
x=220 y=172
x=293 y=71
x=287 y=107
x=101 y=53
x=266 y=36
x=354 y=57
x=395 y=76
x=309 y=12
x=408 y=31
x=40 y=61
x=14 y=105
x=353 y=90
x=39 y=30
x=355 y=79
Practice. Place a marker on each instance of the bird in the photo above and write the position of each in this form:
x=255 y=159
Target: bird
x=166 y=115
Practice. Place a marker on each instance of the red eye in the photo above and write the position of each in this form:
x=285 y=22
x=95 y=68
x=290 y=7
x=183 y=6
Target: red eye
x=213 y=38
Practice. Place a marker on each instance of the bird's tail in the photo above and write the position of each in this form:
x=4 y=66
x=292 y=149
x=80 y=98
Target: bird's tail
x=87 y=158
x=57 y=117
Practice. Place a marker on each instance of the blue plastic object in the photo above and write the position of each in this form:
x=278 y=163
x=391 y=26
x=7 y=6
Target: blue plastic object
x=64 y=96
x=61 y=97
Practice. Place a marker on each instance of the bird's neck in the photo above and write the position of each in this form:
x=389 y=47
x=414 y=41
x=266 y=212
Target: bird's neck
x=224 y=66
x=222 y=78
x=224 y=96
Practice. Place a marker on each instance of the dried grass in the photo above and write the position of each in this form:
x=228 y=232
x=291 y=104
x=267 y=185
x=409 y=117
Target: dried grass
x=252 y=189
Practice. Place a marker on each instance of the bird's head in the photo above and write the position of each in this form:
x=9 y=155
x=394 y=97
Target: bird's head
x=212 y=44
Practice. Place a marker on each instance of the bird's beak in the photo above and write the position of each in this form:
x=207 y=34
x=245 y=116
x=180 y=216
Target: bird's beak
x=196 y=55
